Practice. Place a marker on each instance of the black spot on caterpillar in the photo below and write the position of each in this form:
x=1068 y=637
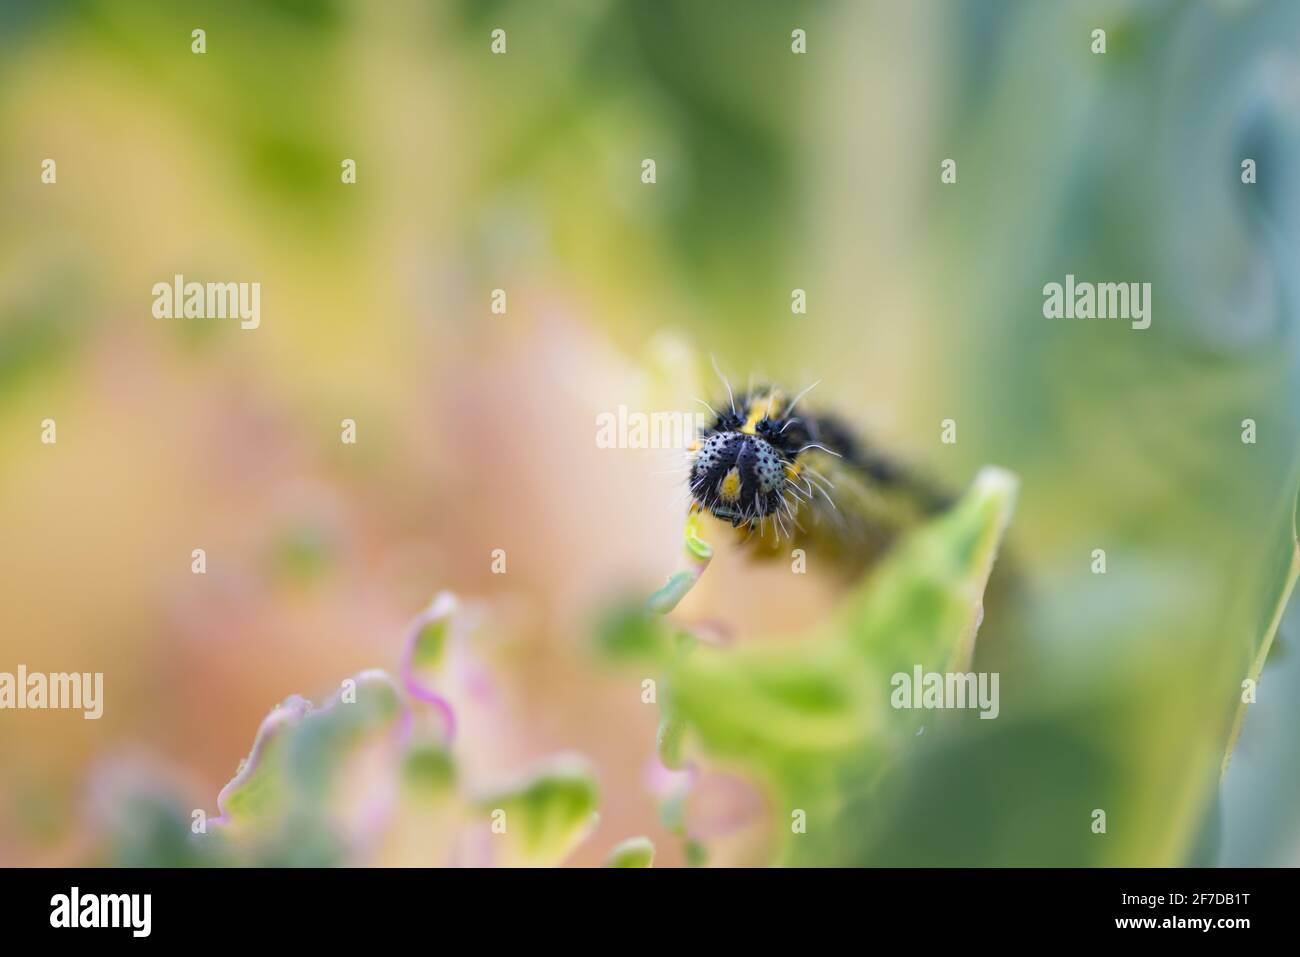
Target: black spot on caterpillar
x=785 y=475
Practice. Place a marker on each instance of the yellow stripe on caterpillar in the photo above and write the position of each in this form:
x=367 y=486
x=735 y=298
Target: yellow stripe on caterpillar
x=729 y=487
x=760 y=408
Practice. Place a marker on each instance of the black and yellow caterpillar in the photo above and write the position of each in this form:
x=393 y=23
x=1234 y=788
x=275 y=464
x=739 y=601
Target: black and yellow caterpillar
x=790 y=477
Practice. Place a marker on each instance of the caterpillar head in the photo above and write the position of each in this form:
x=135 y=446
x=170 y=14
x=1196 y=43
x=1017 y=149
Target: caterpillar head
x=742 y=467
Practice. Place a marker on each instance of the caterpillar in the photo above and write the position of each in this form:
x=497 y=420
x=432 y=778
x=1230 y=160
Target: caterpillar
x=782 y=476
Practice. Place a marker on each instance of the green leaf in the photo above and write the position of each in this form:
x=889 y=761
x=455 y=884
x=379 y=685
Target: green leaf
x=298 y=750
x=428 y=769
x=429 y=644
x=1284 y=565
x=634 y=852
x=812 y=717
x=539 y=822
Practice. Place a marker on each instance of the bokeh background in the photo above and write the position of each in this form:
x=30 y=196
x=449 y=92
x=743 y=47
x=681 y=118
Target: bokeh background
x=522 y=171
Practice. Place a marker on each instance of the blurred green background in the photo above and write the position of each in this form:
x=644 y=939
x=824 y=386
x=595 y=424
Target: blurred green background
x=775 y=171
